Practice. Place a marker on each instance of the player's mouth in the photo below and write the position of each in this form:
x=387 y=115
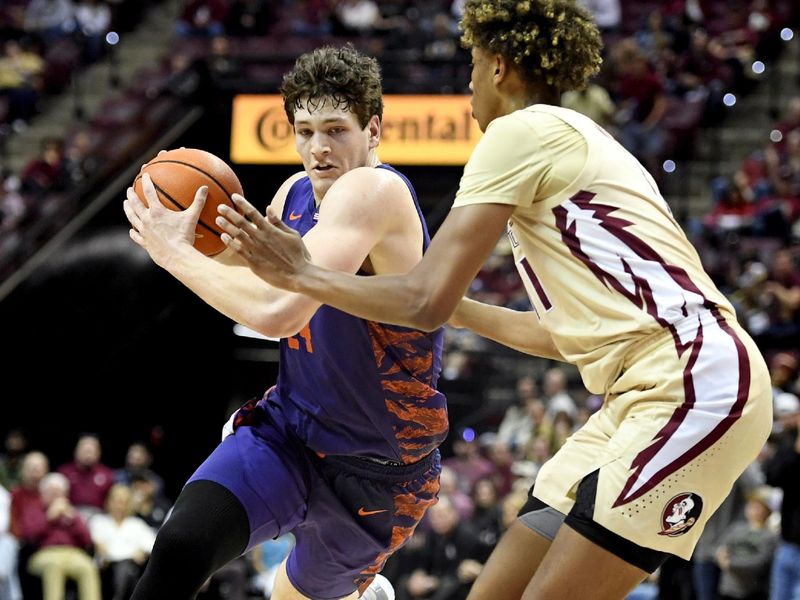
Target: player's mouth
x=323 y=168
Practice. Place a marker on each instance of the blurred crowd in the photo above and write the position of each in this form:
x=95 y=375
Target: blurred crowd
x=669 y=66
x=85 y=530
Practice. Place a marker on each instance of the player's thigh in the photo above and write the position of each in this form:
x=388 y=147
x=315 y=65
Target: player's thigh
x=511 y=565
x=268 y=472
x=575 y=567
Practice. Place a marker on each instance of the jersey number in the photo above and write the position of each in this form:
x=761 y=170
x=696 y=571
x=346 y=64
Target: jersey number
x=305 y=335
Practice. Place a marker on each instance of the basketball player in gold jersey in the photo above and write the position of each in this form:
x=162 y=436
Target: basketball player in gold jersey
x=616 y=289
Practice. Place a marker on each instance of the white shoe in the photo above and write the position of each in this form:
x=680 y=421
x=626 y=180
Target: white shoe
x=379 y=589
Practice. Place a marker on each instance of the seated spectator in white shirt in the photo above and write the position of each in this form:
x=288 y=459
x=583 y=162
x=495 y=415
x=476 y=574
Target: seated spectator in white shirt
x=122 y=543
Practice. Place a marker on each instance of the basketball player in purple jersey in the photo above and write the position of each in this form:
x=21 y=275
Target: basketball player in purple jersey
x=616 y=289
x=342 y=452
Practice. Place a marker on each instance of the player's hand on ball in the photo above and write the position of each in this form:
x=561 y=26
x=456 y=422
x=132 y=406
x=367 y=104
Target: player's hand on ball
x=156 y=228
x=274 y=251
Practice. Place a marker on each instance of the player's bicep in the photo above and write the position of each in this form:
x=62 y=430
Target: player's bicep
x=356 y=214
x=342 y=244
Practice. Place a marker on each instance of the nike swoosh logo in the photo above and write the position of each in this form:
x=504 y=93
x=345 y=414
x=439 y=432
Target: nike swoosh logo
x=366 y=513
x=294 y=217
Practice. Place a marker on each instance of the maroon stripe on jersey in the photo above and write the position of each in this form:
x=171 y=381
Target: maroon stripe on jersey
x=642 y=297
x=537 y=285
x=680 y=414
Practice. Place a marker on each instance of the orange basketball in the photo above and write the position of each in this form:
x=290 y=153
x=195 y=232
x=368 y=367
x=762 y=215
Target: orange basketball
x=177 y=175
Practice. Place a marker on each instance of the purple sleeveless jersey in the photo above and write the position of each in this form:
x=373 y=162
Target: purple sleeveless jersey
x=348 y=386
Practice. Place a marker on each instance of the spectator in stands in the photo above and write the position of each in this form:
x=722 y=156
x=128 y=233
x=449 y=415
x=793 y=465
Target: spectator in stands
x=50 y=20
x=356 y=17
x=487 y=519
x=792 y=120
x=783 y=370
x=781 y=298
x=641 y=103
x=541 y=427
x=783 y=471
x=515 y=428
x=453 y=489
x=448 y=563
x=63 y=543
x=266 y=558
x=15 y=446
x=700 y=70
x=745 y=555
x=26 y=501
x=46 y=172
x=502 y=461
x=122 y=543
x=79 y=162
x=137 y=465
x=13 y=211
x=557 y=398
x=607 y=13
x=250 y=17
x=9 y=582
x=89 y=479
x=563 y=427
x=749 y=299
x=442 y=43
x=467 y=462
x=705 y=563
x=20 y=80
x=149 y=503
x=594 y=102
x=786 y=407
x=734 y=204
x=312 y=17
x=783 y=166
x=93 y=18
x=202 y=18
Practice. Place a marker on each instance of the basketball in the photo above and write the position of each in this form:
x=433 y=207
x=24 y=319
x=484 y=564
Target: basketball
x=177 y=175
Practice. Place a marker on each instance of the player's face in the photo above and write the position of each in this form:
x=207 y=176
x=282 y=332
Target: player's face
x=331 y=142
x=486 y=101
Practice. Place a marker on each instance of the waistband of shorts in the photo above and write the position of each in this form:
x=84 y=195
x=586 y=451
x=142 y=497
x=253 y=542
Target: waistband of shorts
x=383 y=469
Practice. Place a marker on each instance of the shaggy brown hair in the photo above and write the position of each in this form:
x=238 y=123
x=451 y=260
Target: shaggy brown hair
x=351 y=80
x=551 y=42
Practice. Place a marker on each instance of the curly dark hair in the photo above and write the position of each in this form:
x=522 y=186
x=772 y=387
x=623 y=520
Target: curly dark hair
x=350 y=79
x=552 y=42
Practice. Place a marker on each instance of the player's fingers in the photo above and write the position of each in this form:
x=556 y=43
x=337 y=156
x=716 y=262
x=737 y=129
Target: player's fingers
x=248 y=210
x=136 y=237
x=231 y=216
x=232 y=243
x=275 y=220
x=133 y=218
x=135 y=203
x=199 y=201
x=150 y=193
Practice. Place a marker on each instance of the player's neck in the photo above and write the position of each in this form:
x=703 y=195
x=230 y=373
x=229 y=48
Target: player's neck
x=526 y=98
x=372 y=158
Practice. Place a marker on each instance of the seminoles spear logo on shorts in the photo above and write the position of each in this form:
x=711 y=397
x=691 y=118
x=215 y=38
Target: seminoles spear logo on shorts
x=680 y=514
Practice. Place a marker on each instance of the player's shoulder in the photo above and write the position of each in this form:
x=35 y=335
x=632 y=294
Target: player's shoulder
x=290 y=181
x=371 y=181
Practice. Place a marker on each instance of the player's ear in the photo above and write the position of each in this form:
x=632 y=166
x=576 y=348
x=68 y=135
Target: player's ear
x=500 y=68
x=374 y=129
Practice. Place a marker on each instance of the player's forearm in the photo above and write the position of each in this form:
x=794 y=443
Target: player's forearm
x=239 y=294
x=397 y=299
x=515 y=329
